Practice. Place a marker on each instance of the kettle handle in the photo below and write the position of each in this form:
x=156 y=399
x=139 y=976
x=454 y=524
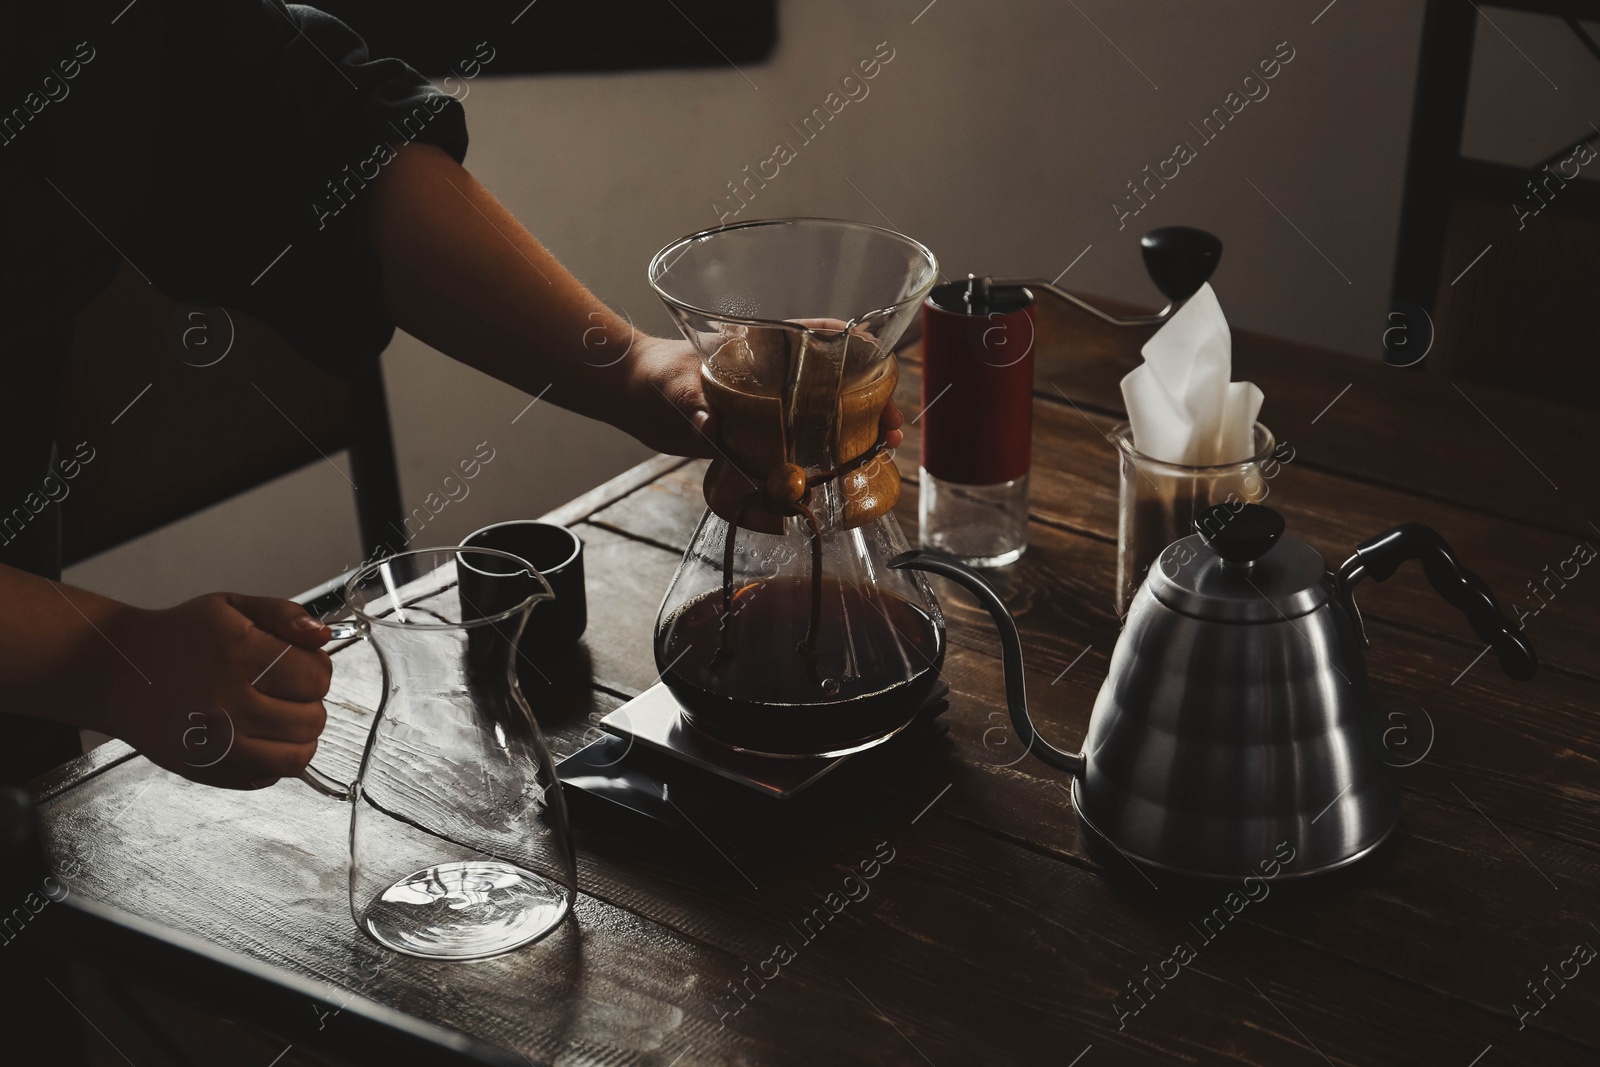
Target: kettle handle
x=1380 y=556
x=1010 y=652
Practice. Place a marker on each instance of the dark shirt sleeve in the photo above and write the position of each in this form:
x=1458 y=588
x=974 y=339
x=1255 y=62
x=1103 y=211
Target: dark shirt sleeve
x=226 y=149
x=274 y=121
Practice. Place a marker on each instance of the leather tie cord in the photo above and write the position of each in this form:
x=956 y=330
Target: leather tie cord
x=786 y=491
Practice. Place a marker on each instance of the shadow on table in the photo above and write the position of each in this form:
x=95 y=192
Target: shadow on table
x=1287 y=900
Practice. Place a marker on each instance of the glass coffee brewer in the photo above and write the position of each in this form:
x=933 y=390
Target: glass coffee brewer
x=784 y=632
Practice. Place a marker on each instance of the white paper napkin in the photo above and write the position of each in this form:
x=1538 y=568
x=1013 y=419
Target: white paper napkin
x=1180 y=400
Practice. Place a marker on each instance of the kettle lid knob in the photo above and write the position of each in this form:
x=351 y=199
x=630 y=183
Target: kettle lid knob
x=1239 y=534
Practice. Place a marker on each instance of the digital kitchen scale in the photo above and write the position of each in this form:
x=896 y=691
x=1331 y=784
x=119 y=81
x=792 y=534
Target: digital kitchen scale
x=655 y=772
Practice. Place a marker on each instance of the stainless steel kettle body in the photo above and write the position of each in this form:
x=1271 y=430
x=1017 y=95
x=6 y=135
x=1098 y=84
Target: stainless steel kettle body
x=1235 y=719
x=1212 y=743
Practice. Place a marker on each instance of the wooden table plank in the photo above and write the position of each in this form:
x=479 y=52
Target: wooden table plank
x=60 y=779
x=614 y=988
x=631 y=480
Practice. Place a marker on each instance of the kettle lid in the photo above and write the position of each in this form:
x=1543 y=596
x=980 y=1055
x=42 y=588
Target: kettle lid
x=1238 y=567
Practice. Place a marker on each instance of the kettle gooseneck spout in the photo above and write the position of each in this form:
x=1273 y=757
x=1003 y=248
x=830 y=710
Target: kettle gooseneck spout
x=1010 y=653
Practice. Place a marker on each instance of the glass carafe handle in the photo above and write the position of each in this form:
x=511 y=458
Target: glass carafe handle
x=328 y=787
x=332 y=787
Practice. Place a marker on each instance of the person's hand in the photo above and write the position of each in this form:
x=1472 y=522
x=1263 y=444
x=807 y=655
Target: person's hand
x=233 y=687
x=890 y=424
x=667 y=407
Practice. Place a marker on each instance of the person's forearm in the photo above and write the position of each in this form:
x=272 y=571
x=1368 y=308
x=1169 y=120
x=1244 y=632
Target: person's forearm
x=224 y=689
x=55 y=660
x=461 y=274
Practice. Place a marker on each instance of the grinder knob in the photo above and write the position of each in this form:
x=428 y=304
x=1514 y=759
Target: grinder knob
x=1180 y=259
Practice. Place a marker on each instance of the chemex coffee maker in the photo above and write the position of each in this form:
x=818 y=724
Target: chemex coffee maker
x=1236 y=715
x=799 y=671
x=785 y=633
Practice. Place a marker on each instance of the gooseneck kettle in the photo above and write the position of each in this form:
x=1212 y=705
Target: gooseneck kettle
x=1236 y=714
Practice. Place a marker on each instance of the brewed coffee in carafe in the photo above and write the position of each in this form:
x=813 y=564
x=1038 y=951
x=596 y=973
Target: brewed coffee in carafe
x=784 y=631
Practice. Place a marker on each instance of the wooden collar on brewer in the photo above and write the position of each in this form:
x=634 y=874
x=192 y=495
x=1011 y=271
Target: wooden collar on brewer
x=754 y=486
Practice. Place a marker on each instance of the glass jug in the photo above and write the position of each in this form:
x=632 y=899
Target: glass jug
x=459 y=842
x=784 y=632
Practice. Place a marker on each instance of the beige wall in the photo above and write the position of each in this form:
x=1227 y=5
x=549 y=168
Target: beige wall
x=1000 y=134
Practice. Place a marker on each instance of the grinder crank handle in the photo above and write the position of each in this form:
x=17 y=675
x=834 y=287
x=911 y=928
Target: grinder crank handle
x=1380 y=556
x=1179 y=260
x=1010 y=652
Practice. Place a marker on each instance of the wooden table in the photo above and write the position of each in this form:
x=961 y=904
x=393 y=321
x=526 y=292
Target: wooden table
x=991 y=937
